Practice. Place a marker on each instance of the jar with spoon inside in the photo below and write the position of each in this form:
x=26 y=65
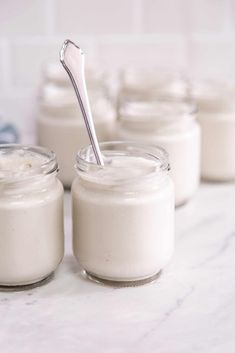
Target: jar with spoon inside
x=123 y=213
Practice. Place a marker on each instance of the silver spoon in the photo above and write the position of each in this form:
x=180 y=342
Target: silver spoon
x=72 y=59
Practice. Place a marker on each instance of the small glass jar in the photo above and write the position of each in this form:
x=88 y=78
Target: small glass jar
x=216 y=115
x=31 y=215
x=171 y=125
x=60 y=124
x=123 y=213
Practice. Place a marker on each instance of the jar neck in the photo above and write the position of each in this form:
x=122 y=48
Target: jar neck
x=28 y=186
x=156 y=116
x=26 y=168
x=129 y=167
x=214 y=106
x=154 y=93
x=154 y=83
x=213 y=96
x=131 y=187
x=157 y=127
x=101 y=107
x=55 y=96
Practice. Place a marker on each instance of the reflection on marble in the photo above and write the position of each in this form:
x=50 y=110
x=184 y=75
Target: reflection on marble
x=191 y=308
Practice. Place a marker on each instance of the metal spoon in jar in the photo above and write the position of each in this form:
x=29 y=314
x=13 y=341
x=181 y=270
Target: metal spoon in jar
x=72 y=59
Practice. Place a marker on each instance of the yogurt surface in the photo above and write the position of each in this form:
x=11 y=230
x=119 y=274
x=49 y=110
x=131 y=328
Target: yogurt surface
x=120 y=169
x=21 y=162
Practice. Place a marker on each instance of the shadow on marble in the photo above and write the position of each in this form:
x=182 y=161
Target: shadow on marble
x=27 y=287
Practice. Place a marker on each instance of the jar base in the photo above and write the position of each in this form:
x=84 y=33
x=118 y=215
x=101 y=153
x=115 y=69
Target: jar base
x=26 y=286
x=122 y=283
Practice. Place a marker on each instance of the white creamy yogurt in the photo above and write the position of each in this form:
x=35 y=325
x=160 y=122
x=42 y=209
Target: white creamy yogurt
x=123 y=214
x=20 y=162
x=118 y=168
x=31 y=215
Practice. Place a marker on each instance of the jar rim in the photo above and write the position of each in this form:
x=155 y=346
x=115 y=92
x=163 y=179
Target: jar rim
x=155 y=81
x=156 y=110
x=47 y=167
x=85 y=159
x=142 y=74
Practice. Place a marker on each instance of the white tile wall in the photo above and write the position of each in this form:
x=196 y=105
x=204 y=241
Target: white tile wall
x=198 y=35
x=27 y=58
x=162 y=16
x=214 y=57
x=207 y=15
x=166 y=52
x=22 y=17
x=93 y=17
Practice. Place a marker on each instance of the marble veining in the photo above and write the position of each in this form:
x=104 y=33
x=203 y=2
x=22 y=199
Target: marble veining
x=226 y=242
x=189 y=309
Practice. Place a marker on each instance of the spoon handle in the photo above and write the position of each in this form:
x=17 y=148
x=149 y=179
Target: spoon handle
x=72 y=59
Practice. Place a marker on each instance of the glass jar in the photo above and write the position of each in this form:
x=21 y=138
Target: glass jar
x=171 y=125
x=216 y=115
x=60 y=122
x=123 y=213
x=31 y=215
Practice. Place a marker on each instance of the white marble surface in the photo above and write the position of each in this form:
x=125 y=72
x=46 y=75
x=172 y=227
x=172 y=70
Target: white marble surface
x=191 y=308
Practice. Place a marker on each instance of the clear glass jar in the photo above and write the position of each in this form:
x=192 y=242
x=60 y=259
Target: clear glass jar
x=31 y=215
x=171 y=125
x=123 y=213
x=216 y=115
x=60 y=124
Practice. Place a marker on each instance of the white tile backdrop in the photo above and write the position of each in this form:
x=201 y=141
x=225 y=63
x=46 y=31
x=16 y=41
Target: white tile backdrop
x=195 y=35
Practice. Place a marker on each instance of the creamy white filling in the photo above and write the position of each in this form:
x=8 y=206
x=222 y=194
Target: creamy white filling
x=20 y=162
x=121 y=168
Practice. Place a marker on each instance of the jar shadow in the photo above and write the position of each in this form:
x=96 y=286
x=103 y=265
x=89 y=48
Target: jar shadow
x=21 y=288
